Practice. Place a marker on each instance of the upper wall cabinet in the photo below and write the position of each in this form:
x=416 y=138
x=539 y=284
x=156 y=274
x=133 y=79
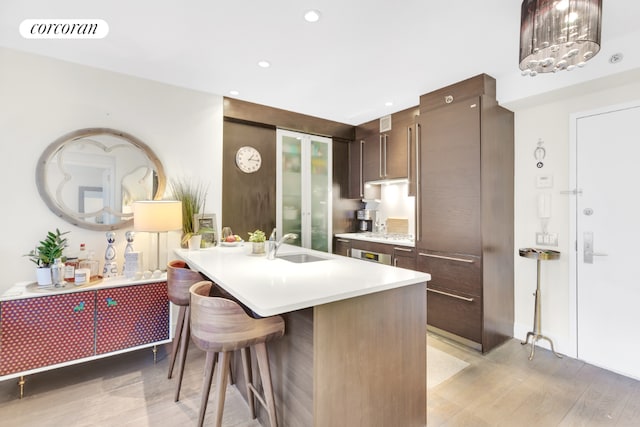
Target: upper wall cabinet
x=383 y=149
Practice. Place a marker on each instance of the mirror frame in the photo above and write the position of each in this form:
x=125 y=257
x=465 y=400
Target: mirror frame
x=55 y=146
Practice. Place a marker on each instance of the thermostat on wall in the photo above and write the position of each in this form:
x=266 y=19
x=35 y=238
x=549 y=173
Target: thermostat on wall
x=544 y=181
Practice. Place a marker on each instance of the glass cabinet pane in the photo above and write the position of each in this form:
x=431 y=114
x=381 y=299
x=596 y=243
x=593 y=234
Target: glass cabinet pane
x=291 y=188
x=319 y=195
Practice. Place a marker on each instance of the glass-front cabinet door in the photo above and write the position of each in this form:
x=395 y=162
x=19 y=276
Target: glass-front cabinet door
x=304 y=189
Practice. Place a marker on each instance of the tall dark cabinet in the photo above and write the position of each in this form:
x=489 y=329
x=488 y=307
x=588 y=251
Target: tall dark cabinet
x=464 y=211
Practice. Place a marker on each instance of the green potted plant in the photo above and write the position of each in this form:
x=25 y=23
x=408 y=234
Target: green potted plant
x=44 y=255
x=193 y=196
x=257 y=239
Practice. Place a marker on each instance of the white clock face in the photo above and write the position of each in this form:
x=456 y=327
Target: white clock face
x=248 y=159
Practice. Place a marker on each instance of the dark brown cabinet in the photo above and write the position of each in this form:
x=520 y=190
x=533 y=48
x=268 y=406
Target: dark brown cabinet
x=464 y=211
x=404 y=257
x=385 y=155
x=341 y=246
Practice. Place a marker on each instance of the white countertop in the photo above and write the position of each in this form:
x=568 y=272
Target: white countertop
x=270 y=287
x=377 y=237
x=31 y=289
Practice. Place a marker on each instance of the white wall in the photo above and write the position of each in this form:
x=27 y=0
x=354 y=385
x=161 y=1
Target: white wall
x=547 y=118
x=42 y=99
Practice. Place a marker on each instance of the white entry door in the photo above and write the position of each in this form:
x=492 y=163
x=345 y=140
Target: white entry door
x=608 y=239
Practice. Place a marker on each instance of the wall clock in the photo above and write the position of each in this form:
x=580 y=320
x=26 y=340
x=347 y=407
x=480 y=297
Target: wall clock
x=248 y=159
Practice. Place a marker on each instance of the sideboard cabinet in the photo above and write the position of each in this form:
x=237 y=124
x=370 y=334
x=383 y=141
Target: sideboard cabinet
x=41 y=330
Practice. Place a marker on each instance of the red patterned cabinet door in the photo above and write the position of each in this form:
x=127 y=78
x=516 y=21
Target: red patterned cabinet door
x=44 y=331
x=131 y=316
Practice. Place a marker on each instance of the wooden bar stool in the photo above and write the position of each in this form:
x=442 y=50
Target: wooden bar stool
x=220 y=326
x=179 y=279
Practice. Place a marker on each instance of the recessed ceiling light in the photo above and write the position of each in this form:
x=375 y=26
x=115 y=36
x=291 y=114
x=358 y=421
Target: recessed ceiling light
x=234 y=92
x=312 y=15
x=388 y=104
x=264 y=64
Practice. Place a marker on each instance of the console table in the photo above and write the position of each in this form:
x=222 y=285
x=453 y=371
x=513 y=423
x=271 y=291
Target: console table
x=539 y=255
x=48 y=328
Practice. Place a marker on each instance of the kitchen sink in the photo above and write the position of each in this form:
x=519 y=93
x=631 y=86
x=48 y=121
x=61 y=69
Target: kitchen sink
x=301 y=258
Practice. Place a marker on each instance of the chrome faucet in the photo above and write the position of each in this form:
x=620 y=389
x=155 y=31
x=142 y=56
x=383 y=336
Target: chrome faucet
x=274 y=246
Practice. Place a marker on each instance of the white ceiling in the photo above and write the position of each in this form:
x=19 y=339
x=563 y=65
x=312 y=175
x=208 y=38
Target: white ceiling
x=361 y=54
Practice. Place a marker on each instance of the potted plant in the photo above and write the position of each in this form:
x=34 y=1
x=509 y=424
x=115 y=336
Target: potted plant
x=44 y=255
x=257 y=239
x=193 y=196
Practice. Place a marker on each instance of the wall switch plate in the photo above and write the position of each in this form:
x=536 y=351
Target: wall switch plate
x=547 y=239
x=544 y=181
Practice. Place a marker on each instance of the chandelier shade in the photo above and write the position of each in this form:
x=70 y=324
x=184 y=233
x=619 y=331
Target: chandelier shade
x=558 y=35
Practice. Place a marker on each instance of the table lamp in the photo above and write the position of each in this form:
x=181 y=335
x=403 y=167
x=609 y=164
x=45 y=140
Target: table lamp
x=157 y=216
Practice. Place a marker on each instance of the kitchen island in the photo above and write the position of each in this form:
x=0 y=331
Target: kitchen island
x=354 y=349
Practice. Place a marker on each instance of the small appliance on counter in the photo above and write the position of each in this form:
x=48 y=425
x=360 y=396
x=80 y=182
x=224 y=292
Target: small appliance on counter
x=367 y=219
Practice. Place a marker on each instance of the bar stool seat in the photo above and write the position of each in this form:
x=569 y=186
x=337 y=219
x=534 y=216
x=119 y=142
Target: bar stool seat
x=179 y=279
x=220 y=326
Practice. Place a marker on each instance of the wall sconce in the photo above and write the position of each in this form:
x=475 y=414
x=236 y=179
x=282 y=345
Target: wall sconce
x=558 y=35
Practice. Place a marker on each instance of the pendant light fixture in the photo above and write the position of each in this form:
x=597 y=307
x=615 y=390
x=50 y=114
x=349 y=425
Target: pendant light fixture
x=558 y=35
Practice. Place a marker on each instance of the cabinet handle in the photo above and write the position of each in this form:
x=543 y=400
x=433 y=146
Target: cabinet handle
x=395 y=261
x=402 y=249
x=450 y=295
x=343 y=240
x=385 y=155
x=409 y=152
x=361 y=166
x=380 y=157
x=468 y=261
x=418 y=219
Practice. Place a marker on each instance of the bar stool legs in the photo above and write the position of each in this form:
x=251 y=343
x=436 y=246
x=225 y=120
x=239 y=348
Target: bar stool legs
x=176 y=343
x=221 y=369
x=184 y=342
x=265 y=376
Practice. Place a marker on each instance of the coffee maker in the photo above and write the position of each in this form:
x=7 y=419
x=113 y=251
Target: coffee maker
x=367 y=219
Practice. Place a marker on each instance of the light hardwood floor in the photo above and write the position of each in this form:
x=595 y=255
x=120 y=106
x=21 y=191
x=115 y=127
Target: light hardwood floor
x=502 y=388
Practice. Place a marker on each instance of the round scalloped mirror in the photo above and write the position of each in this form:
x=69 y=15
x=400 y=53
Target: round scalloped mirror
x=91 y=177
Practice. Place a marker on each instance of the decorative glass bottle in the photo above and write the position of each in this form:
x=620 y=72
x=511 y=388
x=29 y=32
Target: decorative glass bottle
x=110 y=268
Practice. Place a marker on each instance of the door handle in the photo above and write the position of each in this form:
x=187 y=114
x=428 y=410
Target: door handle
x=588 y=252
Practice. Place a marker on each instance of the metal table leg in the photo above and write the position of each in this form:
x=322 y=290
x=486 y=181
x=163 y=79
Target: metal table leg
x=537 y=321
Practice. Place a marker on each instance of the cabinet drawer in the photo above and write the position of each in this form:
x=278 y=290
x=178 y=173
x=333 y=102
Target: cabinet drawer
x=459 y=273
x=455 y=313
x=404 y=257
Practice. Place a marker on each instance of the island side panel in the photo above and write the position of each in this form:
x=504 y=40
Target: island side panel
x=370 y=360
x=291 y=362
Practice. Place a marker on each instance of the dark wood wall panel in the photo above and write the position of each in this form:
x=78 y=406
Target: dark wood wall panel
x=247 y=111
x=248 y=200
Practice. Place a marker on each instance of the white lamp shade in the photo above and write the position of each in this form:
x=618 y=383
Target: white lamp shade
x=155 y=216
